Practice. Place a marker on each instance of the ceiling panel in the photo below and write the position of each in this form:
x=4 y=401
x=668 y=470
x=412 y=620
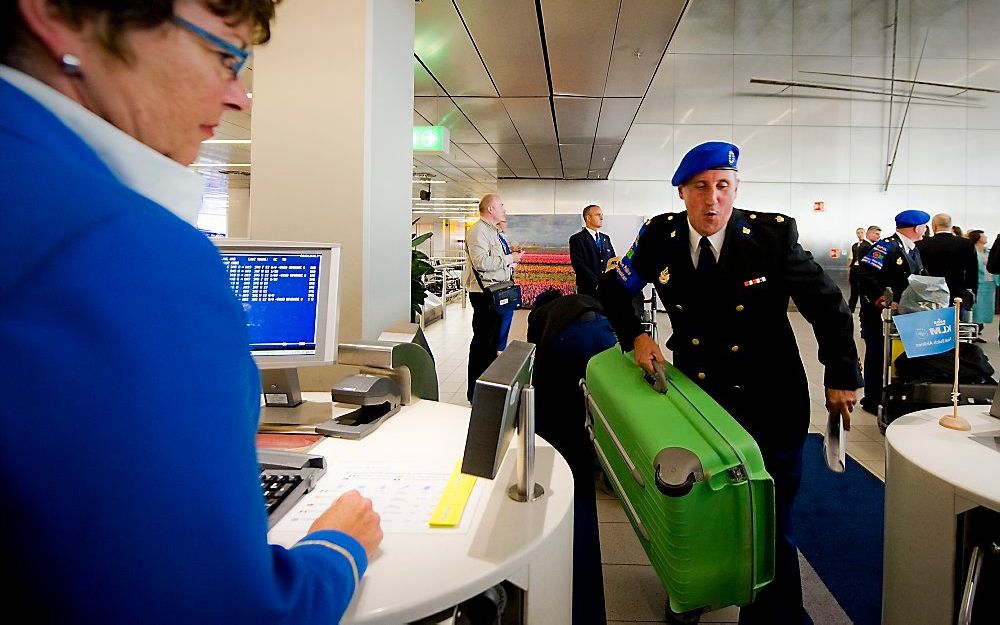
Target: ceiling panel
x=490 y=118
x=223 y=153
x=549 y=173
x=544 y=156
x=604 y=156
x=575 y=157
x=576 y=119
x=442 y=43
x=599 y=174
x=480 y=175
x=443 y=112
x=459 y=158
x=504 y=171
x=506 y=34
x=644 y=27
x=484 y=155
x=423 y=84
x=575 y=174
x=516 y=157
x=533 y=119
x=616 y=119
x=578 y=35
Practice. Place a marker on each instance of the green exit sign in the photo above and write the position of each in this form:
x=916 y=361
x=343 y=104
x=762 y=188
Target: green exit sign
x=430 y=139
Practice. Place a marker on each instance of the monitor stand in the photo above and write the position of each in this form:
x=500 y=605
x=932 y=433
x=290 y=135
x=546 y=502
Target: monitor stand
x=283 y=403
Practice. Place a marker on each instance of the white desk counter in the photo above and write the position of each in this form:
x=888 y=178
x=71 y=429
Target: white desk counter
x=414 y=575
x=933 y=474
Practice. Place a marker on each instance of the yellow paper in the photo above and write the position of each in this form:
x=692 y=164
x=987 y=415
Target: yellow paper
x=449 y=509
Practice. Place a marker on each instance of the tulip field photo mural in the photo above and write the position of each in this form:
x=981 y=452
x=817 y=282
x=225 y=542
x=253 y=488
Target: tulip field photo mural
x=545 y=241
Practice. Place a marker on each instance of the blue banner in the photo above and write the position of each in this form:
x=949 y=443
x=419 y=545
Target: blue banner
x=927 y=333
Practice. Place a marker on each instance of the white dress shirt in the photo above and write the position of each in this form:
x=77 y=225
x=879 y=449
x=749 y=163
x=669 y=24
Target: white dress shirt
x=694 y=240
x=138 y=166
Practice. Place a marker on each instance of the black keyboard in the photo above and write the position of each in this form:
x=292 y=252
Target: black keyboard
x=277 y=487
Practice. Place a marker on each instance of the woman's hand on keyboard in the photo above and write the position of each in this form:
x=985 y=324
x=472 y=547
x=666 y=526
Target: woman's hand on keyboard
x=353 y=515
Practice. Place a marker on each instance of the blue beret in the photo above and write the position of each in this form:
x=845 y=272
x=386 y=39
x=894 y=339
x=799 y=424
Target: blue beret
x=710 y=155
x=912 y=217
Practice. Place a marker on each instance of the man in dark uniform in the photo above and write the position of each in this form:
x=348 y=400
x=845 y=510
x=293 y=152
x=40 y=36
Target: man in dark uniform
x=725 y=276
x=866 y=239
x=590 y=250
x=888 y=264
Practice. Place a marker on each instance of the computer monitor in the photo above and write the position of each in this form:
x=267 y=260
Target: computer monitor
x=289 y=292
x=495 y=403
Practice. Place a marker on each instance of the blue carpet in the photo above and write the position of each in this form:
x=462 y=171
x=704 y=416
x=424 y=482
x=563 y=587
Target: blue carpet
x=837 y=525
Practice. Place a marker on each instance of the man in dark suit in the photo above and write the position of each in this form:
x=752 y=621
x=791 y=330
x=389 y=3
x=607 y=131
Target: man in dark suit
x=725 y=276
x=866 y=238
x=888 y=264
x=953 y=258
x=590 y=250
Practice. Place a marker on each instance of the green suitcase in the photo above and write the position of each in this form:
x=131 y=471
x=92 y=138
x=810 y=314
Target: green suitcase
x=690 y=478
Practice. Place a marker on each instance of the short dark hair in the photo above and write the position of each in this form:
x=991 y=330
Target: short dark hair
x=113 y=18
x=874 y=229
x=588 y=208
x=975 y=235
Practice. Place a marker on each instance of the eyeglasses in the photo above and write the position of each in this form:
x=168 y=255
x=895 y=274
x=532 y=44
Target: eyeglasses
x=237 y=57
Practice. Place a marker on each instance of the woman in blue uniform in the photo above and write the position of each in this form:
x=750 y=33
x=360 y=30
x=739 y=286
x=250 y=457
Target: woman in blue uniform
x=132 y=488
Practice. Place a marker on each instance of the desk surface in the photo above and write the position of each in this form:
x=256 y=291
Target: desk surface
x=969 y=462
x=415 y=575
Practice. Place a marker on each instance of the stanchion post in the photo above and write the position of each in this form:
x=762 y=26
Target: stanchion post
x=525 y=489
x=954 y=421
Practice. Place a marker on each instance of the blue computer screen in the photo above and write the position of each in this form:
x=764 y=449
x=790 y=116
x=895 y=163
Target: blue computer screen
x=279 y=297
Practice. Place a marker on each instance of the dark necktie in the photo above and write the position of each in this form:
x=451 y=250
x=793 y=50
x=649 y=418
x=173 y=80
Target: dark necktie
x=916 y=265
x=600 y=247
x=706 y=259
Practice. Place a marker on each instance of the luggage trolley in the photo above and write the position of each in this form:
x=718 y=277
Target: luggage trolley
x=929 y=393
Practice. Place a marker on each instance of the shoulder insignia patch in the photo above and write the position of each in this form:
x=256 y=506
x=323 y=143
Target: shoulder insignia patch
x=876 y=256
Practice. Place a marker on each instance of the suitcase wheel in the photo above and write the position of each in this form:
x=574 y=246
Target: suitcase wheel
x=676 y=470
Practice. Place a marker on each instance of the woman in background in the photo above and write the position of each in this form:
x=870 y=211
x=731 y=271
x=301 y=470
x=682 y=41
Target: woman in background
x=982 y=312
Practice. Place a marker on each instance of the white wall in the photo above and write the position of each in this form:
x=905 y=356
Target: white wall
x=814 y=145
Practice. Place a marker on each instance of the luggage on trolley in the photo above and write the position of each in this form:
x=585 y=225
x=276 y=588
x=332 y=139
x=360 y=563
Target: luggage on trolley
x=690 y=478
x=927 y=382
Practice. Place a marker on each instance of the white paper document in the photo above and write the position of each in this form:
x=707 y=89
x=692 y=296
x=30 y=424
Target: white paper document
x=835 y=444
x=405 y=497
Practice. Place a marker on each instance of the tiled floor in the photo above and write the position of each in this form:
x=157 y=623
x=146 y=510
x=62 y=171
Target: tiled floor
x=632 y=591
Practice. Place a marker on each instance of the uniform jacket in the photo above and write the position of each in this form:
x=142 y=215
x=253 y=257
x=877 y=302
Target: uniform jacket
x=485 y=252
x=589 y=262
x=128 y=448
x=734 y=337
x=953 y=258
x=885 y=265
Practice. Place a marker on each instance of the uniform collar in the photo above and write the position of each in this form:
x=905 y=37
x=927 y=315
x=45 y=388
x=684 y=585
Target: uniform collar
x=905 y=241
x=593 y=233
x=136 y=165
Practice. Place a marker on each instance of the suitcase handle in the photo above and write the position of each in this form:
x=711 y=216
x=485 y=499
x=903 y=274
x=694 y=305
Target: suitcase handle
x=659 y=378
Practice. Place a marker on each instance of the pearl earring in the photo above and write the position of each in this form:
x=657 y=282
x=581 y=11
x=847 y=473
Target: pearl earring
x=70 y=64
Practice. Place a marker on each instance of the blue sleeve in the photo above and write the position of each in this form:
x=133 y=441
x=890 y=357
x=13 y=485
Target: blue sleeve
x=132 y=436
